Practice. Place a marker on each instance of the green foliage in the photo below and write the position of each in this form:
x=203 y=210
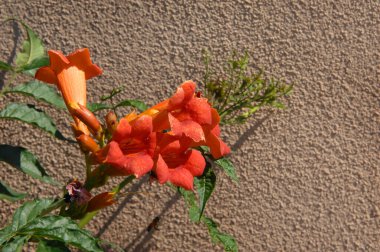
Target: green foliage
x=52 y=246
x=226 y=240
x=23 y=160
x=241 y=92
x=227 y=167
x=30 y=115
x=8 y=193
x=94 y=107
x=140 y=105
x=41 y=92
x=29 y=222
x=15 y=244
x=113 y=92
x=33 y=55
x=5 y=66
x=205 y=185
x=190 y=199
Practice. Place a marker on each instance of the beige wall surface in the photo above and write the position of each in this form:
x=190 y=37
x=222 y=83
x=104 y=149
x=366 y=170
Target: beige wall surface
x=309 y=175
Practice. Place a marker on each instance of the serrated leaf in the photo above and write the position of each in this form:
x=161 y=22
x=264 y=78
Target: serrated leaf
x=205 y=185
x=26 y=213
x=29 y=221
x=15 y=245
x=30 y=115
x=29 y=211
x=62 y=229
x=227 y=167
x=8 y=193
x=140 y=105
x=32 y=55
x=93 y=107
x=190 y=199
x=226 y=240
x=5 y=66
x=23 y=160
x=40 y=91
x=52 y=246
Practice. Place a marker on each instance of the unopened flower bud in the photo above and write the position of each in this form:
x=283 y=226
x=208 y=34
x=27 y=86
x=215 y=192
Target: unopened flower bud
x=87 y=117
x=87 y=144
x=111 y=121
x=101 y=201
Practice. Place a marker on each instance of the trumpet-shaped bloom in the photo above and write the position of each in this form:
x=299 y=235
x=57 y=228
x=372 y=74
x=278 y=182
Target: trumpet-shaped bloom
x=176 y=163
x=186 y=114
x=70 y=74
x=131 y=148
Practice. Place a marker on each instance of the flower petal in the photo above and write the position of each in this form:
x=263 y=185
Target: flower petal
x=200 y=110
x=181 y=177
x=188 y=128
x=195 y=163
x=142 y=127
x=161 y=170
x=217 y=147
x=46 y=74
x=123 y=131
x=58 y=61
x=183 y=94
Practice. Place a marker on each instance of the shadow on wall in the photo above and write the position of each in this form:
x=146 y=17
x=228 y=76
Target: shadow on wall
x=141 y=241
x=12 y=56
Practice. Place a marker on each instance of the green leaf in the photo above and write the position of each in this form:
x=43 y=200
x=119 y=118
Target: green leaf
x=226 y=240
x=140 y=105
x=51 y=246
x=5 y=66
x=30 y=115
x=41 y=92
x=228 y=168
x=32 y=55
x=62 y=229
x=205 y=186
x=190 y=199
x=29 y=220
x=23 y=160
x=15 y=245
x=93 y=107
x=9 y=194
x=29 y=211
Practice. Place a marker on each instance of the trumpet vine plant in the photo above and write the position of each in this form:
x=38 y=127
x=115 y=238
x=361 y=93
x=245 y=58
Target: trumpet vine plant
x=176 y=142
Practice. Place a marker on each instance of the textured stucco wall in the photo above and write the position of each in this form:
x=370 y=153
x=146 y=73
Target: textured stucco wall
x=309 y=174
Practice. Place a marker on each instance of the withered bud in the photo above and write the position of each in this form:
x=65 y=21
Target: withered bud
x=87 y=144
x=111 y=121
x=87 y=117
x=77 y=193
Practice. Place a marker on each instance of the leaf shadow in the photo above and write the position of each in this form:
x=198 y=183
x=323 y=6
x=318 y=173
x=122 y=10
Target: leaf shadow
x=16 y=36
x=145 y=236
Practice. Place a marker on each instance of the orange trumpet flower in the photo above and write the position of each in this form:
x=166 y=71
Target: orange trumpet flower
x=70 y=73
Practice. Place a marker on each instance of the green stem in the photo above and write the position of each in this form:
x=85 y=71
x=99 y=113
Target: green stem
x=88 y=166
x=87 y=218
x=122 y=184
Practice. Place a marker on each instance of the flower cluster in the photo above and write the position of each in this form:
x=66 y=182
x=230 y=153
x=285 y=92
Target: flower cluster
x=162 y=140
